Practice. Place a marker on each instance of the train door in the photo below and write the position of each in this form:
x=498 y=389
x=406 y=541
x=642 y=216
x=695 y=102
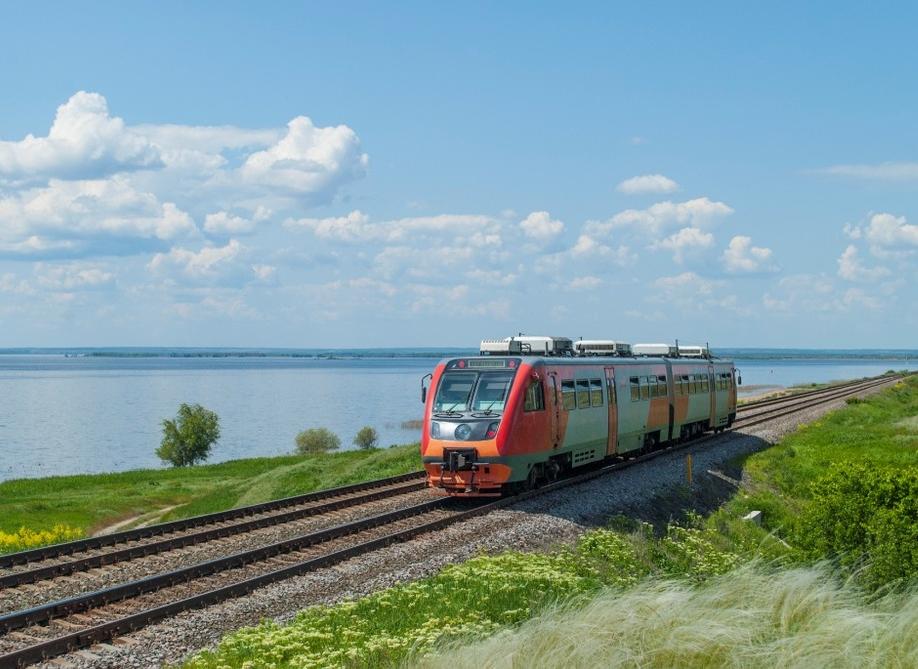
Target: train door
x=612 y=446
x=555 y=410
x=712 y=391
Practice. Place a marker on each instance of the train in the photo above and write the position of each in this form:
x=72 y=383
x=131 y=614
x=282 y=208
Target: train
x=528 y=410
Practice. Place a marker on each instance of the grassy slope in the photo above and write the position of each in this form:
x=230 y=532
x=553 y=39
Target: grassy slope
x=91 y=501
x=757 y=616
x=877 y=431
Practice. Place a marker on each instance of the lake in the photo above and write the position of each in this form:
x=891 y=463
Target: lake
x=65 y=415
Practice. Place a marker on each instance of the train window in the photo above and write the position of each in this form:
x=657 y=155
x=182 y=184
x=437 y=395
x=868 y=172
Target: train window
x=635 y=388
x=567 y=393
x=492 y=391
x=583 y=394
x=453 y=393
x=704 y=383
x=534 y=399
x=645 y=388
x=596 y=392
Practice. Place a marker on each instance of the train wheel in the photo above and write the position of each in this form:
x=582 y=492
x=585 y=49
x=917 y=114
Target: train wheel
x=532 y=481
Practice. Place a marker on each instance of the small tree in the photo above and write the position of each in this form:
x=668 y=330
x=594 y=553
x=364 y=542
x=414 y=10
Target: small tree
x=317 y=440
x=187 y=439
x=367 y=438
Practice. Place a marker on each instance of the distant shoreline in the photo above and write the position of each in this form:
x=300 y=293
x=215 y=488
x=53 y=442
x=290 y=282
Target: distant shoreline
x=431 y=352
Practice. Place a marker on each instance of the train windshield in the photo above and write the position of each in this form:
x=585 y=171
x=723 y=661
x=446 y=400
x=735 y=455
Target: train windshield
x=473 y=391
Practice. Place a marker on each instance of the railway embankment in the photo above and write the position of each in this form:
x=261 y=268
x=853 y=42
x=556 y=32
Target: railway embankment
x=40 y=511
x=639 y=536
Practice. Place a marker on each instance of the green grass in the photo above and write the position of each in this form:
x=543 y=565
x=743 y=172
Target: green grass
x=88 y=502
x=718 y=592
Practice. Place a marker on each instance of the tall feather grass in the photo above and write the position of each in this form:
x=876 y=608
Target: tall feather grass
x=752 y=617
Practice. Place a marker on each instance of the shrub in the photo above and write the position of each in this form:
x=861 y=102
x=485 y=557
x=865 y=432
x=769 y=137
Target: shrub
x=188 y=439
x=25 y=538
x=367 y=438
x=863 y=511
x=317 y=440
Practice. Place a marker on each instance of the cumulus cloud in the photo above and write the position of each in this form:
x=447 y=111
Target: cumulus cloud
x=84 y=142
x=741 y=256
x=86 y=216
x=357 y=227
x=584 y=283
x=539 y=226
x=308 y=160
x=94 y=176
x=72 y=276
x=698 y=213
x=211 y=264
x=647 y=183
x=851 y=268
x=685 y=243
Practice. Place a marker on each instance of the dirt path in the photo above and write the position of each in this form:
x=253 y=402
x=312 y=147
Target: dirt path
x=141 y=520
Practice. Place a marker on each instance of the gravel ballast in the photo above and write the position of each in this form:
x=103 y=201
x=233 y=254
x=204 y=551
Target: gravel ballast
x=530 y=525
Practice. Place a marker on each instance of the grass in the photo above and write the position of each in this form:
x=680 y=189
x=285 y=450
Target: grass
x=85 y=503
x=754 y=617
x=717 y=592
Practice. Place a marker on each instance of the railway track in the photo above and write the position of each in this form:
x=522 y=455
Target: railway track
x=54 y=628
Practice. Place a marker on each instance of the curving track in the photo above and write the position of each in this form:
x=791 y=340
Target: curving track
x=54 y=628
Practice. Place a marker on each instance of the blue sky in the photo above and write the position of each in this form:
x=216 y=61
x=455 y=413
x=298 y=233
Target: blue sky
x=365 y=175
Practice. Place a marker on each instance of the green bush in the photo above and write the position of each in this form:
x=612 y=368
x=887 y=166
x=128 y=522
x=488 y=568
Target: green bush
x=367 y=438
x=187 y=439
x=317 y=440
x=864 y=513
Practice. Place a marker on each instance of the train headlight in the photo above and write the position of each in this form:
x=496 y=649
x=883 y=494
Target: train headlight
x=463 y=431
x=435 y=429
x=492 y=430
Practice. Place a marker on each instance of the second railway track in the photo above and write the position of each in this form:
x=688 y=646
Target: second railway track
x=54 y=628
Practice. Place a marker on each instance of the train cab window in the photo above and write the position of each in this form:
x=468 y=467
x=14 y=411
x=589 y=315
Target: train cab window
x=454 y=391
x=492 y=391
x=596 y=392
x=568 y=395
x=534 y=398
x=583 y=394
x=635 y=388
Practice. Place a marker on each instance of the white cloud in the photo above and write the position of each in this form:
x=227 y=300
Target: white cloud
x=308 y=160
x=685 y=242
x=224 y=223
x=264 y=272
x=209 y=263
x=539 y=226
x=700 y=212
x=903 y=171
x=740 y=256
x=84 y=142
x=357 y=227
x=647 y=183
x=72 y=276
x=851 y=268
x=890 y=231
x=87 y=213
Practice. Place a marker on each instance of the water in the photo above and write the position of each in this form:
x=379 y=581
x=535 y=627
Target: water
x=92 y=414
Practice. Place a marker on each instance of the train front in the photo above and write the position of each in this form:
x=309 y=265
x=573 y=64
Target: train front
x=467 y=423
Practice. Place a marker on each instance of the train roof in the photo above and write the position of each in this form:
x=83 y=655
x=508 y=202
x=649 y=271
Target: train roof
x=492 y=362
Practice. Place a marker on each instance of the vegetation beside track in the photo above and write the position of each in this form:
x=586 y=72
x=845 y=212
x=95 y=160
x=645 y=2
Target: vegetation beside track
x=715 y=591
x=35 y=512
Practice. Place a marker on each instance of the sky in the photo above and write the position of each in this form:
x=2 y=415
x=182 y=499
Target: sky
x=363 y=174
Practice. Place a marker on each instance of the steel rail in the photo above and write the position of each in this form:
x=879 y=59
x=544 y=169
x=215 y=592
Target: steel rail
x=808 y=393
x=102 y=632
x=58 y=569
x=92 y=543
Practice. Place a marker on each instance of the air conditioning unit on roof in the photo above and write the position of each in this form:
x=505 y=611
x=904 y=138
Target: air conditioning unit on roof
x=657 y=350
x=602 y=347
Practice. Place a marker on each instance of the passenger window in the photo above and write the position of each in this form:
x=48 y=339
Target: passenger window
x=645 y=388
x=534 y=399
x=567 y=392
x=635 y=389
x=704 y=383
x=583 y=394
x=596 y=392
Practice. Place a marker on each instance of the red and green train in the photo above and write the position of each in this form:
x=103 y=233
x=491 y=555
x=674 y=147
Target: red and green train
x=499 y=424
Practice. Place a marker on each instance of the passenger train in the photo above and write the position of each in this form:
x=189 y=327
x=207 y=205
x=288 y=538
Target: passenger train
x=529 y=409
